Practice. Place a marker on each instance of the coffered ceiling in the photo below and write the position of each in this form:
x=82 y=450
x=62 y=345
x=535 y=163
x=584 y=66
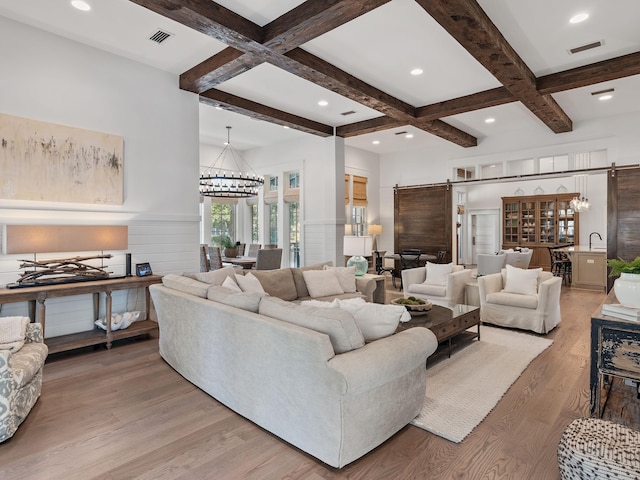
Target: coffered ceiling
x=266 y=64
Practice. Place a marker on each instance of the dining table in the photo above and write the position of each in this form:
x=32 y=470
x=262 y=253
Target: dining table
x=246 y=263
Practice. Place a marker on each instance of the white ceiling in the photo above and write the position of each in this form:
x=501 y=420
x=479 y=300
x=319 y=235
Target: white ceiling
x=380 y=48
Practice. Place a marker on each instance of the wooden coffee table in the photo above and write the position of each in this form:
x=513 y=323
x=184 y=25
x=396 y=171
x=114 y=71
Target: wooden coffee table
x=449 y=324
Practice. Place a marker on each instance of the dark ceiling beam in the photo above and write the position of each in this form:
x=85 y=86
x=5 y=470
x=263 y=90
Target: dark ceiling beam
x=377 y=124
x=468 y=103
x=604 y=71
x=311 y=19
x=465 y=21
x=211 y=19
x=259 y=111
x=223 y=66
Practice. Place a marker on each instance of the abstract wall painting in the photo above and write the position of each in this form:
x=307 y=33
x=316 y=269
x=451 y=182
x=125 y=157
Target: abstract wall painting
x=56 y=163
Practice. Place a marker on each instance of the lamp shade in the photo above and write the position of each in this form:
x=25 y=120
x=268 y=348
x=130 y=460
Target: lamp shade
x=374 y=229
x=64 y=238
x=357 y=245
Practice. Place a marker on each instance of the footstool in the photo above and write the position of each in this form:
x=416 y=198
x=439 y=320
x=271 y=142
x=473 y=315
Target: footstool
x=592 y=448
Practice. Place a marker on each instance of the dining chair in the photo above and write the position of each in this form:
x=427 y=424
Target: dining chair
x=381 y=268
x=215 y=258
x=241 y=249
x=204 y=259
x=253 y=249
x=269 y=259
x=409 y=258
x=441 y=256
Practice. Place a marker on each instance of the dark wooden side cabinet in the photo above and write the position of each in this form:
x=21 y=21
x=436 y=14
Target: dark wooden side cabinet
x=37 y=296
x=615 y=352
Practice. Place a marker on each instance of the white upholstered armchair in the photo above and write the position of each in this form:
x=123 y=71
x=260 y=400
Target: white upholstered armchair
x=434 y=283
x=506 y=302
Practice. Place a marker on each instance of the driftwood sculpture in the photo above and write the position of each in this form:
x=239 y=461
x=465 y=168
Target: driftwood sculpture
x=60 y=270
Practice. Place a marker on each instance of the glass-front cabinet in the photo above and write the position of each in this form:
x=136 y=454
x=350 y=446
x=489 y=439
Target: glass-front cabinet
x=538 y=222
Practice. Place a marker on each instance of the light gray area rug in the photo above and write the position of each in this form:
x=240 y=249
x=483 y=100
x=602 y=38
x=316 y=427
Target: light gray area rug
x=463 y=389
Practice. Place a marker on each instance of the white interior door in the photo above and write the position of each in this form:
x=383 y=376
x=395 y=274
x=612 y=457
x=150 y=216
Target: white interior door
x=485 y=233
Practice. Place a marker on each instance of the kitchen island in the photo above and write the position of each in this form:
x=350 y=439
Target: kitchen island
x=589 y=267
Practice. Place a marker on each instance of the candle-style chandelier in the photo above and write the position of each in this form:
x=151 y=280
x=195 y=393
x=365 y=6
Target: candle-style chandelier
x=218 y=181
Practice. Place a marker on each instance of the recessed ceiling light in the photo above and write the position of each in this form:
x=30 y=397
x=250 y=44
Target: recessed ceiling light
x=606 y=96
x=409 y=135
x=80 y=5
x=376 y=142
x=416 y=71
x=285 y=126
x=603 y=95
x=323 y=103
x=218 y=107
x=489 y=120
x=580 y=17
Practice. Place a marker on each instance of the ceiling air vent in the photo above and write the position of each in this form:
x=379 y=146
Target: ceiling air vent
x=401 y=133
x=160 y=36
x=350 y=112
x=588 y=46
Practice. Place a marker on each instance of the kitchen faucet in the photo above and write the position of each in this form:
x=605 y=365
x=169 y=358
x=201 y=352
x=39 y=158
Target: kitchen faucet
x=590 y=235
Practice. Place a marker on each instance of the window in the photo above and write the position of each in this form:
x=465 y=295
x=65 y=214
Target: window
x=273 y=223
x=294 y=180
x=294 y=234
x=273 y=184
x=464 y=173
x=521 y=167
x=557 y=163
x=223 y=223
x=358 y=214
x=254 y=223
x=492 y=170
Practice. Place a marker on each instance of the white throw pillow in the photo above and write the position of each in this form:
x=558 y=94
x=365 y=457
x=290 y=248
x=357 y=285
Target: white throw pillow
x=346 y=277
x=249 y=283
x=231 y=284
x=215 y=277
x=245 y=300
x=322 y=283
x=373 y=319
x=519 y=280
x=437 y=273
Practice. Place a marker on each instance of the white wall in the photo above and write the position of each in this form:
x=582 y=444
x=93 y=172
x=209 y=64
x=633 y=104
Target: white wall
x=617 y=135
x=49 y=78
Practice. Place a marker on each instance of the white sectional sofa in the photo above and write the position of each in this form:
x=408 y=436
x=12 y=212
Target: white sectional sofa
x=303 y=373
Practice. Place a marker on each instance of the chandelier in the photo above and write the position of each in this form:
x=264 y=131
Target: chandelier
x=581 y=203
x=220 y=182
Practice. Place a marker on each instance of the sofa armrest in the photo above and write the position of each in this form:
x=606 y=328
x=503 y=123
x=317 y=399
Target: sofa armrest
x=34 y=333
x=411 y=276
x=489 y=284
x=366 y=286
x=388 y=358
x=456 y=284
x=549 y=293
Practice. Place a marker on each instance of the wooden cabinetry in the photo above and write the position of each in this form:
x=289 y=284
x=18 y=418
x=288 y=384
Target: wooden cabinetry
x=538 y=222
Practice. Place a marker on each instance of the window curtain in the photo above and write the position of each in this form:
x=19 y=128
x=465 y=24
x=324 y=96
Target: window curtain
x=359 y=191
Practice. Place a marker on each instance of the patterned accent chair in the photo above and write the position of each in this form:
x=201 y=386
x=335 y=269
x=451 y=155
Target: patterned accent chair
x=21 y=380
x=595 y=448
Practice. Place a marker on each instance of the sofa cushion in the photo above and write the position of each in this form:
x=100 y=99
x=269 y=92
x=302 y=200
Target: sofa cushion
x=277 y=283
x=322 y=283
x=519 y=280
x=373 y=319
x=245 y=300
x=26 y=362
x=437 y=273
x=346 y=277
x=338 y=324
x=424 y=289
x=513 y=299
x=298 y=279
x=215 y=277
x=249 y=283
x=331 y=298
x=185 y=284
x=231 y=284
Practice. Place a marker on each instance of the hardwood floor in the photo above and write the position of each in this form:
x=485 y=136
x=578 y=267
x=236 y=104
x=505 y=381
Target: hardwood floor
x=124 y=414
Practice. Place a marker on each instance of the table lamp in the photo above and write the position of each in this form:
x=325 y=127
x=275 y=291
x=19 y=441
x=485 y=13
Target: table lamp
x=357 y=247
x=374 y=230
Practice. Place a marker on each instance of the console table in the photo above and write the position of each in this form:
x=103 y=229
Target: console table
x=615 y=352
x=36 y=296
